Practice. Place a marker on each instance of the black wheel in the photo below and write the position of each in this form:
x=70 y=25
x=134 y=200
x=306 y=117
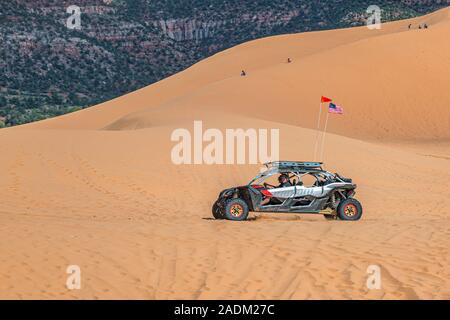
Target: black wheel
x=217 y=211
x=236 y=210
x=350 y=210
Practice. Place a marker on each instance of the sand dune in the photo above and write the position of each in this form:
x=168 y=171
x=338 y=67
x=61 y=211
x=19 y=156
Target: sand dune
x=97 y=188
x=404 y=75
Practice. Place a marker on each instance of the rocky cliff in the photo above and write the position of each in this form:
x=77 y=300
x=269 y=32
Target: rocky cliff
x=122 y=45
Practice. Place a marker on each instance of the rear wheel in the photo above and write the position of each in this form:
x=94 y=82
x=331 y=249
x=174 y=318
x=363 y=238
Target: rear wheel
x=350 y=210
x=217 y=211
x=236 y=210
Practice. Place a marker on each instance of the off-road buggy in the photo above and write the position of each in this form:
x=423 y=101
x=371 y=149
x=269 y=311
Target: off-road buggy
x=329 y=194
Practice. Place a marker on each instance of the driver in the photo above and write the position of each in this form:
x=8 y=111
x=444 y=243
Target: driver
x=284 y=181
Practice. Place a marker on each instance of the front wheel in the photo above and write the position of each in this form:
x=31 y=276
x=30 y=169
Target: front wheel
x=349 y=209
x=236 y=210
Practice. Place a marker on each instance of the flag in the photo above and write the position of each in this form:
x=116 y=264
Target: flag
x=332 y=108
x=325 y=99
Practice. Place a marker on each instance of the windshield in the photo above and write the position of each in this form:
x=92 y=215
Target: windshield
x=296 y=178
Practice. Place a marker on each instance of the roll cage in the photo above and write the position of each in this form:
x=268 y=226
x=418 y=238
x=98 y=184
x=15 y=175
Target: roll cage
x=320 y=191
x=297 y=169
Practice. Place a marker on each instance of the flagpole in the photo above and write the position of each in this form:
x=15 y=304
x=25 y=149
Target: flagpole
x=323 y=138
x=318 y=133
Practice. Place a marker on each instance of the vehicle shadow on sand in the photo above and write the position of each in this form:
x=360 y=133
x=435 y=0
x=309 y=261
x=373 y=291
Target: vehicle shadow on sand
x=274 y=217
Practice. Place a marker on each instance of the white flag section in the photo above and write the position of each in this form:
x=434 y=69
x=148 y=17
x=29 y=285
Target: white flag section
x=316 y=146
x=323 y=137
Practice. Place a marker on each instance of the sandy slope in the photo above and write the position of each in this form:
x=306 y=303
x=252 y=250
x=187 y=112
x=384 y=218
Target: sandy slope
x=88 y=189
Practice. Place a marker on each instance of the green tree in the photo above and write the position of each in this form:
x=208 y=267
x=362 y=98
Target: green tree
x=56 y=98
x=3 y=102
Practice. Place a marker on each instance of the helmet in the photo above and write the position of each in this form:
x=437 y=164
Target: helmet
x=283 y=177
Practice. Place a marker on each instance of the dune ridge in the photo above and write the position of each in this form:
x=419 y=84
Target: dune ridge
x=397 y=65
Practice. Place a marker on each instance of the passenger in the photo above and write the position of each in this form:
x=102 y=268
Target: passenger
x=284 y=181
